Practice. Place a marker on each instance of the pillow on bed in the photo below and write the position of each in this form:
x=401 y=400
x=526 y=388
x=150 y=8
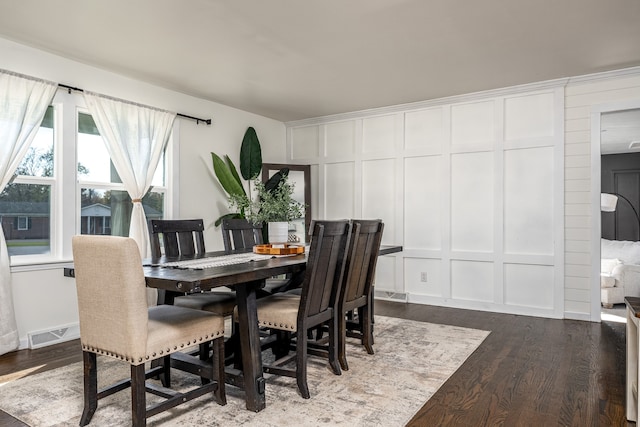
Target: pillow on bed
x=607 y=265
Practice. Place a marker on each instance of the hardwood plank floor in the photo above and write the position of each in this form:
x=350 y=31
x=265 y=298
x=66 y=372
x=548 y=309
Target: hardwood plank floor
x=528 y=372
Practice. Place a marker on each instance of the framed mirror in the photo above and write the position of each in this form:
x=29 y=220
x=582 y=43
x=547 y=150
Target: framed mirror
x=300 y=176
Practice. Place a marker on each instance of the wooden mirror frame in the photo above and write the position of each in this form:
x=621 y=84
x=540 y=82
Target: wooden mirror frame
x=306 y=169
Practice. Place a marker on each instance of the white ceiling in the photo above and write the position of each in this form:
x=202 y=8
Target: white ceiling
x=296 y=59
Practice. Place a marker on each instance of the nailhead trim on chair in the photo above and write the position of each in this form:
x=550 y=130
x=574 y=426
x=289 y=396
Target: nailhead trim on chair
x=282 y=326
x=153 y=355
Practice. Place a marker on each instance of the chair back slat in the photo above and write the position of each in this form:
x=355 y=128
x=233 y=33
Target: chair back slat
x=325 y=266
x=362 y=258
x=238 y=234
x=177 y=237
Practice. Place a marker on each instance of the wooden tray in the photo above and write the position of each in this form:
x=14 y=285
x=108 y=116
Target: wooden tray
x=286 y=250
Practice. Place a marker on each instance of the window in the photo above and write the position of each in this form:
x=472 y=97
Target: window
x=25 y=204
x=23 y=223
x=105 y=204
x=66 y=185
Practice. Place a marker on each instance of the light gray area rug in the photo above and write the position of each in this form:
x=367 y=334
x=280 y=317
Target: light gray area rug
x=412 y=360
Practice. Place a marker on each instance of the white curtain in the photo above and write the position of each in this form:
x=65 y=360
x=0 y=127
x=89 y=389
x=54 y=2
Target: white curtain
x=135 y=137
x=23 y=103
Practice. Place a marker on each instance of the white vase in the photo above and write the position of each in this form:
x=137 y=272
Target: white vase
x=278 y=232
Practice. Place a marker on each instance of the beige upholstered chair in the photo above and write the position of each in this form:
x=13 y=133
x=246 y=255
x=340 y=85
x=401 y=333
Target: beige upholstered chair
x=360 y=270
x=116 y=322
x=315 y=305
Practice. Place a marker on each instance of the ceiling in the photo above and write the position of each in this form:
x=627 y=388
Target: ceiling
x=292 y=60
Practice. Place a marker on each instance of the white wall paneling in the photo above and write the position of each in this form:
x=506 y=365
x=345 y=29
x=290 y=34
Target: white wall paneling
x=339 y=190
x=472 y=202
x=472 y=190
x=423 y=185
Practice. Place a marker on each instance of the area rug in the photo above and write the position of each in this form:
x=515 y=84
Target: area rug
x=412 y=360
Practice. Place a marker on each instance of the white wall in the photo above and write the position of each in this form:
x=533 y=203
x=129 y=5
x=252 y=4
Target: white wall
x=472 y=188
x=584 y=96
x=44 y=299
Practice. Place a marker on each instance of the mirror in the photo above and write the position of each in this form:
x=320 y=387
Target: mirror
x=300 y=177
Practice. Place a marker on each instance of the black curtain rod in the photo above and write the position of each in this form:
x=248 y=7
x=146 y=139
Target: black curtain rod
x=207 y=121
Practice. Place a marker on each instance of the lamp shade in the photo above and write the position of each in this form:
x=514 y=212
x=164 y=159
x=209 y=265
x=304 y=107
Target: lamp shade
x=608 y=202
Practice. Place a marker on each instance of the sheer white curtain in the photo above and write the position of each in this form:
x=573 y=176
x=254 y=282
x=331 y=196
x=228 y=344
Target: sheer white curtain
x=23 y=103
x=135 y=137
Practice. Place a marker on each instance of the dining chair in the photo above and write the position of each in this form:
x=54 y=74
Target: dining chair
x=176 y=237
x=316 y=304
x=116 y=322
x=240 y=234
x=356 y=292
x=184 y=237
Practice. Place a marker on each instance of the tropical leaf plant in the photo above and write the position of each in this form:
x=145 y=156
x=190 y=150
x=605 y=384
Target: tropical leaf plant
x=250 y=155
x=250 y=168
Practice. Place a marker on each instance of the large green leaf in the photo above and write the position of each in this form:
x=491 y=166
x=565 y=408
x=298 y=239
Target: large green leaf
x=250 y=155
x=225 y=176
x=234 y=215
x=273 y=182
x=232 y=168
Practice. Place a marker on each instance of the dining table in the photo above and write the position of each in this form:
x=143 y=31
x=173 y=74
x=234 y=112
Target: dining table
x=204 y=272
x=243 y=272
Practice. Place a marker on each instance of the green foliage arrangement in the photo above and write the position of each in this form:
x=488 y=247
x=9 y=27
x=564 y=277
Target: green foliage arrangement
x=273 y=203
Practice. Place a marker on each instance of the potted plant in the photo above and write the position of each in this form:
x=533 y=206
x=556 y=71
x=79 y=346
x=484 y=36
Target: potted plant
x=250 y=167
x=273 y=205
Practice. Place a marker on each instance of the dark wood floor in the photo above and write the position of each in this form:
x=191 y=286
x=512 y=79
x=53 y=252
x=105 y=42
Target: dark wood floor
x=528 y=372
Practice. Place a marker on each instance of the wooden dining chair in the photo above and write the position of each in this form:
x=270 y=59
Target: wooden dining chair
x=176 y=237
x=296 y=314
x=240 y=234
x=184 y=237
x=360 y=268
x=116 y=322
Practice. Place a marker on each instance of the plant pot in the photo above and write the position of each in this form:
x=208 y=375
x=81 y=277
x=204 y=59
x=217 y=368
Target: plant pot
x=278 y=232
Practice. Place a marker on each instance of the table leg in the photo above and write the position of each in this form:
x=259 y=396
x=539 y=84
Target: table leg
x=250 y=345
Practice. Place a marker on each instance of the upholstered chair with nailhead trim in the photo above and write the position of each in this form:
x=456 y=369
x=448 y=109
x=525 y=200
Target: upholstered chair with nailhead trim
x=116 y=322
x=291 y=315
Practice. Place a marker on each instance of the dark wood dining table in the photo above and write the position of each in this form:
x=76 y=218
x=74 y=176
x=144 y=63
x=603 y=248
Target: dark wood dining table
x=246 y=278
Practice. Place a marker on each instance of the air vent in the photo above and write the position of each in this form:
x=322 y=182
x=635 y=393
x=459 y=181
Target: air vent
x=391 y=296
x=39 y=339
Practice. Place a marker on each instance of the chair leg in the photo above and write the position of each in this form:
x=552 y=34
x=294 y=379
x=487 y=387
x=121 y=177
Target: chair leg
x=166 y=371
x=282 y=345
x=367 y=328
x=342 y=338
x=333 y=346
x=203 y=353
x=218 y=368
x=90 y=387
x=301 y=364
x=138 y=397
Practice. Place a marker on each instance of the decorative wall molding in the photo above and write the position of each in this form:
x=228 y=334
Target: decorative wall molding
x=529 y=87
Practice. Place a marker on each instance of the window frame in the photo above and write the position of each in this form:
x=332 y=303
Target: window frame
x=65 y=210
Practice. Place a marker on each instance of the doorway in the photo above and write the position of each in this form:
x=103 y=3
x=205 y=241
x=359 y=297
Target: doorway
x=616 y=159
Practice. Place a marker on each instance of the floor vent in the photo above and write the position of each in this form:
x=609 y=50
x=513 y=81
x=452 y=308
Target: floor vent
x=53 y=336
x=391 y=296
